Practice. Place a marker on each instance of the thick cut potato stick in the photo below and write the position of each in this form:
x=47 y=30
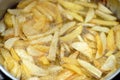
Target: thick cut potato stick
x=105 y=16
x=109 y=64
x=72 y=35
x=86 y=4
x=103 y=22
x=111 y=41
x=90 y=15
x=100 y=29
x=53 y=47
x=73 y=68
x=102 y=8
x=92 y=69
x=76 y=16
x=66 y=27
x=70 y=5
x=83 y=48
x=64 y=75
x=99 y=47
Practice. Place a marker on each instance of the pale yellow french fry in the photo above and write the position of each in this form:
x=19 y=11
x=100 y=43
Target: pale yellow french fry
x=70 y=5
x=29 y=7
x=109 y=53
x=66 y=27
x=105 y=16
x=109 y=64
x=64 y=75
x=99 y=47
x=117 y=37
x=83 y=48
x=14 y=55
x=104 y=41
x=104 y=22
x=42 y=40
x=111 y=41
x=73 y=68
x=103 y=8
x=69 y=60
x=92 y=69
x=53 y=47
x=44 y=60
x=100 y=29
x=22 y=4
x=90 y=15
x=90 y=37
x=10 y=42
x=42 y=48
x=74 y=55
x=76 y=16
x=86 y=4
x=1 y=59
x=72 y=35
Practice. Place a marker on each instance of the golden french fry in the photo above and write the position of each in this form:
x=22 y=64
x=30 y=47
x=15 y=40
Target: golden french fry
x=99 y=47
x=8 y=20
x=105 y=16
x=111 y=41
x=103 y=22
x=44 y=60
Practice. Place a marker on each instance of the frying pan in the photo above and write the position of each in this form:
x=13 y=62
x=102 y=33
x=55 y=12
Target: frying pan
x=114 y=5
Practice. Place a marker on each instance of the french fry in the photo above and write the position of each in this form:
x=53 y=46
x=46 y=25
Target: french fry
x=53 y=47
x=66 y=27
x=102 y=8
x=14 y=55
x=100 y=29
x=70 y=5
x=42 y=48
x=74 y=55
x=92 y=69
x=99 y=47
x=8 y=20
x=72 y=35
x=111 y=41
x=109 y=64
x=90 y=15
x=83 y=48
x=44 y=60
x=22 y=4
x=105 y=16
x=64 y=75
x=103 y=22
x=10 y=42
x=70 y=61
x=86 y=4
x=73 y=68
x=76 y=16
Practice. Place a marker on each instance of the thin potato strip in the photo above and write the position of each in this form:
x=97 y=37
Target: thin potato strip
x=72 y=35
x=92 y=69
x=103 y=22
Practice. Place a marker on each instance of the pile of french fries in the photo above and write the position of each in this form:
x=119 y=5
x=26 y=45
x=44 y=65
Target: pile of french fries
x=60 y=40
